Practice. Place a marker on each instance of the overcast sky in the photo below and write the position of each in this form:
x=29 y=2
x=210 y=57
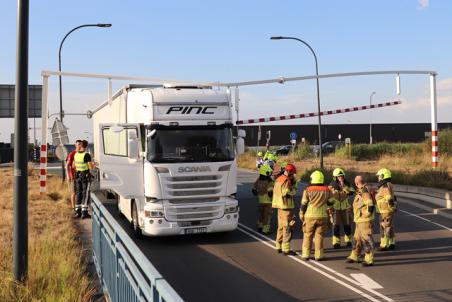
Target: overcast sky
x=229 y=41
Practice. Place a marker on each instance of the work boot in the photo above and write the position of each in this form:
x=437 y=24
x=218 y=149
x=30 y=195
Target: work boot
x=85 y=214
x=350 y=260
x=353 y=258
x=368 y=260
x=289 y=253
x=320 y=259
x=279 y=251
x=391 y=247
x=77 y=213
x=349 y=244
x=382 y=248
x=336 y=246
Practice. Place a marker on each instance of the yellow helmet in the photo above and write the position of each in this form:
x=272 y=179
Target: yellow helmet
x=265 y=170
x=338 y=172
x=317 y=178
x=283 y=164
x=384 y=173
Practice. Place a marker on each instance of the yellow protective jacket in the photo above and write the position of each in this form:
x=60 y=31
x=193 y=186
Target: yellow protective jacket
x=284 y=192
x=340 y=195
x=263 y=188
x=363 y=205
x=315 y=201
x=385 y=198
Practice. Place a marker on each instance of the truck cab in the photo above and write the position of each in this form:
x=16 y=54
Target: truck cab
x=167 y=154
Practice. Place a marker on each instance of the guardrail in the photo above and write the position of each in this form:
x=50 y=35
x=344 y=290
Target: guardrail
x=124 y=271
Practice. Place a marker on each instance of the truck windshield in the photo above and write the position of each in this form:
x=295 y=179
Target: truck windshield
x=190 y=144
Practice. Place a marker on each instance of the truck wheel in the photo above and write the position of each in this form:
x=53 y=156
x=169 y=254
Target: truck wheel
x=135 y=226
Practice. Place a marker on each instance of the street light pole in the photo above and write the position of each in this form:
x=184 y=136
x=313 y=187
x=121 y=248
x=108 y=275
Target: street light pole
x=20 y=192
x=318 y=91
x=59 y=69
x=370 y=122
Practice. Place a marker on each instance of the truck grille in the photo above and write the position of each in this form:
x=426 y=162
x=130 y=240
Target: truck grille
x=193 y=212
x=193 y=186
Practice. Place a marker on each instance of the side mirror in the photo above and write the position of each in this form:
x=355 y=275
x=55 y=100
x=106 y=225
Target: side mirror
x=241 y=133
x=240 y=144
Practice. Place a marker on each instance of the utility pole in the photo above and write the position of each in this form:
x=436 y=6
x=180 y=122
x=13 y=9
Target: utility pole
x=20 y=194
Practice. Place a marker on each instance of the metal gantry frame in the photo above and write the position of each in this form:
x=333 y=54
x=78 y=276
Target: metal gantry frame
x=281 y=80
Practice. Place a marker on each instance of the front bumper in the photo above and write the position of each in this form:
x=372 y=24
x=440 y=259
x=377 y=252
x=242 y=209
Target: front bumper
x=162 y=227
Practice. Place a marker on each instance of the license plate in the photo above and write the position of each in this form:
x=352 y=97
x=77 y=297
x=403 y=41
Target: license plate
x=195 y=231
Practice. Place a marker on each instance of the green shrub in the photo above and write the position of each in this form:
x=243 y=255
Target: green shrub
x=445 y=142
x=375 y=151
x=423 y=178
x=303 y=151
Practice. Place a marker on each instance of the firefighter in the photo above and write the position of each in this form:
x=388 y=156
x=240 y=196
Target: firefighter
x=313 y=214
x=284 y=192
x=341 y=210
x=263 y=189
x=83 y=165
x=363 y=215
x=386 y=206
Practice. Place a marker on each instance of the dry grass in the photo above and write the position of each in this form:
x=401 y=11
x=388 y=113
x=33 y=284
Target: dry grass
x=412 y=168
x=56 y=271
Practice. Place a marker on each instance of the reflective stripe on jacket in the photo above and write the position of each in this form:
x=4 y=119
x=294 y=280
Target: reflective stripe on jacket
x=79 y=160
x=317 y=198
x=363 y=205
x=283 y=193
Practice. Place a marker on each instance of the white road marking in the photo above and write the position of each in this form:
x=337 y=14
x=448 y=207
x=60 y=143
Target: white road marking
x=250 y=232
x=366 y=281
x=428 y=220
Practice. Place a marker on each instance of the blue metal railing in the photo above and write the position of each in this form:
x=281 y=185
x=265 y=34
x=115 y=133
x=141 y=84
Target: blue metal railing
x=124 y=271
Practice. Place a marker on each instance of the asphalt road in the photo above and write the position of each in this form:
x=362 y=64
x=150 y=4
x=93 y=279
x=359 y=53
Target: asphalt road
x=243 y=265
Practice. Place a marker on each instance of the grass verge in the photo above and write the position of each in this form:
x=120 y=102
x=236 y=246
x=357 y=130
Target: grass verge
x=55 y=267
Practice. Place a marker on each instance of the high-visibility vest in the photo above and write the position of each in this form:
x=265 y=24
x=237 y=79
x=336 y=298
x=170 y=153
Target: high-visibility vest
x=79 y=160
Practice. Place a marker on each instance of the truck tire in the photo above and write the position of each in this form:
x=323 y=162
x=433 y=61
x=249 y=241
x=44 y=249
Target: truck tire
x=135 y=225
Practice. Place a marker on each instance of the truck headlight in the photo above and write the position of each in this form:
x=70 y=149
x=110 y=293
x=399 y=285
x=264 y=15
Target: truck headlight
x=231 y=209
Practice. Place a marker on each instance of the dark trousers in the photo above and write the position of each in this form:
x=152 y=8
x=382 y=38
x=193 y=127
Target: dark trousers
x=82 y=191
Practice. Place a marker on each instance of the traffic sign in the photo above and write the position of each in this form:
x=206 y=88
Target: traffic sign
x=293 y=135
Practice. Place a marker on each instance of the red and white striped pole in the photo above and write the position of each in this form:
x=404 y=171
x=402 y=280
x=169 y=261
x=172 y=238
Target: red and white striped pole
x=435 y=141
x=43 y=169
x=43 y=161
x=312 y=114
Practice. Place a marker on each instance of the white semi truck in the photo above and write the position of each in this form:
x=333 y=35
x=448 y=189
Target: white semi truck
x=167 y=155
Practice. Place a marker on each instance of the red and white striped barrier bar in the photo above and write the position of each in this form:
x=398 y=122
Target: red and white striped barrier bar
x=435 y=149
x=43 y=169
x=312 y=114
